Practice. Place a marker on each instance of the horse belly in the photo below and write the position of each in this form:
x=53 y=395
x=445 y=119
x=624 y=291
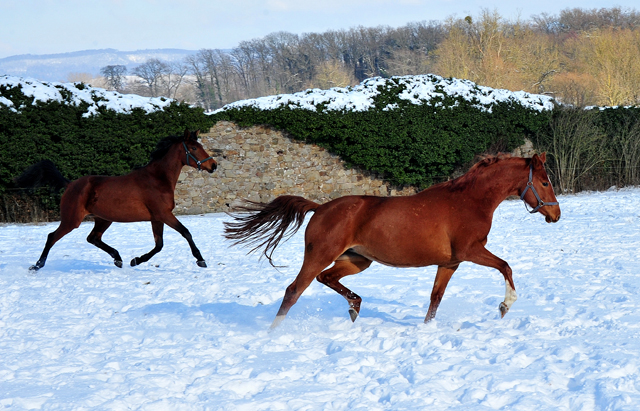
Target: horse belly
x=112 y=201
x=406 y=250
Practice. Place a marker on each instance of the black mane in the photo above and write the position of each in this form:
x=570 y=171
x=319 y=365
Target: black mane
x=163 y=146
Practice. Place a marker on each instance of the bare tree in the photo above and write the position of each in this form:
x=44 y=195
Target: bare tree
x=575 y=145
x=114 y=76
x=151 y=74
x=625 y=142
x=172 y=79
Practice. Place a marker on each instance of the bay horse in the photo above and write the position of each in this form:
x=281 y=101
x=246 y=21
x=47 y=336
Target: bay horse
x=443 y=225
x=145 y=194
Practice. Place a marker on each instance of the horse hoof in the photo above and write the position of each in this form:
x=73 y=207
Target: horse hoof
x=276 y=322
x=118 y=263
x=503 y=309
x=202 y=264
x=34 y=268
x=353 y=314
x=134 y=262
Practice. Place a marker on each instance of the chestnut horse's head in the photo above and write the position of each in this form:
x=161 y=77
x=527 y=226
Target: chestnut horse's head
x=538 y=193
x=196 y=156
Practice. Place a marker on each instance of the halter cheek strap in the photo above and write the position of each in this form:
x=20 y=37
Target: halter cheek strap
x=189 y=155
x=535 y=193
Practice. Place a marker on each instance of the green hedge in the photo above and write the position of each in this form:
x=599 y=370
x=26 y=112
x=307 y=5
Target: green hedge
x=108 y=143
x=412 y=144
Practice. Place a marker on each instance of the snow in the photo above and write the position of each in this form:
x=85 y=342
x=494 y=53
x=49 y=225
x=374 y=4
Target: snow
x=168 y=335
x=79 y=93
x=419 y=89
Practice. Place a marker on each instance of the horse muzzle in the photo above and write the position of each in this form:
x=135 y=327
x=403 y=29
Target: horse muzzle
x=552 y=219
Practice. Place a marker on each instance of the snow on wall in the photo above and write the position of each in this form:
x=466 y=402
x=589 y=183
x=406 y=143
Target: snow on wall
x=96 y=97
x=419 y=90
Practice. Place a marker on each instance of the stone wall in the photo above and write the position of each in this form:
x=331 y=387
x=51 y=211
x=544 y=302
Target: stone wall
x=260 y=163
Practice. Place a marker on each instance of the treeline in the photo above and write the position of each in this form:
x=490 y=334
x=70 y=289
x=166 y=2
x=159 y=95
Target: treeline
x=581 y=57
x=592 y=149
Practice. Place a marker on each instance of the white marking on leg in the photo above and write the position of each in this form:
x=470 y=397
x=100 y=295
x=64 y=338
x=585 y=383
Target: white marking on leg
x=277 y=321
x=510 y=295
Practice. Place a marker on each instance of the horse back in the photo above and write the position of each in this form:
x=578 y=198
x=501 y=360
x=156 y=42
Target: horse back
x=431 y=227
x=120 y=199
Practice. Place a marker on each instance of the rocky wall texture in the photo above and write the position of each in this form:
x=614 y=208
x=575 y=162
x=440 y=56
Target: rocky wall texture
x=260 y=164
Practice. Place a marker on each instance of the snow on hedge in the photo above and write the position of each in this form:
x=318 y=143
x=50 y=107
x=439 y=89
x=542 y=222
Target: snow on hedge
x=419 y=89
x=78 y=93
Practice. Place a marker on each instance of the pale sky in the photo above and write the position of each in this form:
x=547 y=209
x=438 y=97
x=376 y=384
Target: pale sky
x=61 y=26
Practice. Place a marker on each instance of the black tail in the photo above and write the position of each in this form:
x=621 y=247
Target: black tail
x=42 y=174
x=268 y=224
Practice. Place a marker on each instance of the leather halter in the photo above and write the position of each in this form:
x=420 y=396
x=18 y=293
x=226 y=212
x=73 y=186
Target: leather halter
x=535 y=193
x=189 y=155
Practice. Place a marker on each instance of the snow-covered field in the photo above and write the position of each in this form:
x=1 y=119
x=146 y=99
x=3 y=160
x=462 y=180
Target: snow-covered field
x=81 y=334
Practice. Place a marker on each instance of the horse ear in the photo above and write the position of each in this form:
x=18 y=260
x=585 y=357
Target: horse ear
x=187 y=134
x=536 y=161
x=543 y=157
x=197 y=134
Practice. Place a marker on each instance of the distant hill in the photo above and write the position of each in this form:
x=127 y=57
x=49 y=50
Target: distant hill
x=56 y=67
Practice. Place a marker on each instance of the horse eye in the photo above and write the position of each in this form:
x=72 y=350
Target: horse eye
x=545 y=184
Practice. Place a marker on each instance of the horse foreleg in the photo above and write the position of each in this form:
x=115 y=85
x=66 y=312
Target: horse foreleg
x=157 y=227
x=443 y=275
x=173 y=222
x=348 y=263
x=484 y=257
x=95 y=238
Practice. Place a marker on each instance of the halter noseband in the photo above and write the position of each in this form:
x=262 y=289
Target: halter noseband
x=535 y=193
x=189 y=155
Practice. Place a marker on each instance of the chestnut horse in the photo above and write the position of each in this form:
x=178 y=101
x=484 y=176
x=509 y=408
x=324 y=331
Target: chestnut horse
x=145 y=194
x=443 y=225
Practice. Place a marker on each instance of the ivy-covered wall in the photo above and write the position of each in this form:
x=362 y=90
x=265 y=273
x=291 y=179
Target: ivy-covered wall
x=410 y=144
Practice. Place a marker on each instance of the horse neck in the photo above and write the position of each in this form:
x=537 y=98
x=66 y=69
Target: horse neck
x=168 y=167
x=494 y=184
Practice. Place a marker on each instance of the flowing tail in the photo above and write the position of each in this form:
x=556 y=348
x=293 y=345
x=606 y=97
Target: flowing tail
x=268 y=223
x=41 y=174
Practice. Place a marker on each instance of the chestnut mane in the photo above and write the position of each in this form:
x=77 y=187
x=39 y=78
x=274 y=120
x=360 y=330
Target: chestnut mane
x=469 y=178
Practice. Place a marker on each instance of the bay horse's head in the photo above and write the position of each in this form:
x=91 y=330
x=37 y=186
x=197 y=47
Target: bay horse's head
x=196 y=156
x=538 y=193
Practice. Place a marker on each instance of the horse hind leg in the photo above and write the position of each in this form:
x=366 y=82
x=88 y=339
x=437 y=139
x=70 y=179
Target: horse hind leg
x=71 y=215
x=348 y=263
x=311 y=268
x=158 y=228
x=95 y=238
x=63 y=229
x=443 y=275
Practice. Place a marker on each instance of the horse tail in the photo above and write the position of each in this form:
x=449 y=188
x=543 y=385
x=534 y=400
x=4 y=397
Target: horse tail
x=41 y=174
x=268 y=223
